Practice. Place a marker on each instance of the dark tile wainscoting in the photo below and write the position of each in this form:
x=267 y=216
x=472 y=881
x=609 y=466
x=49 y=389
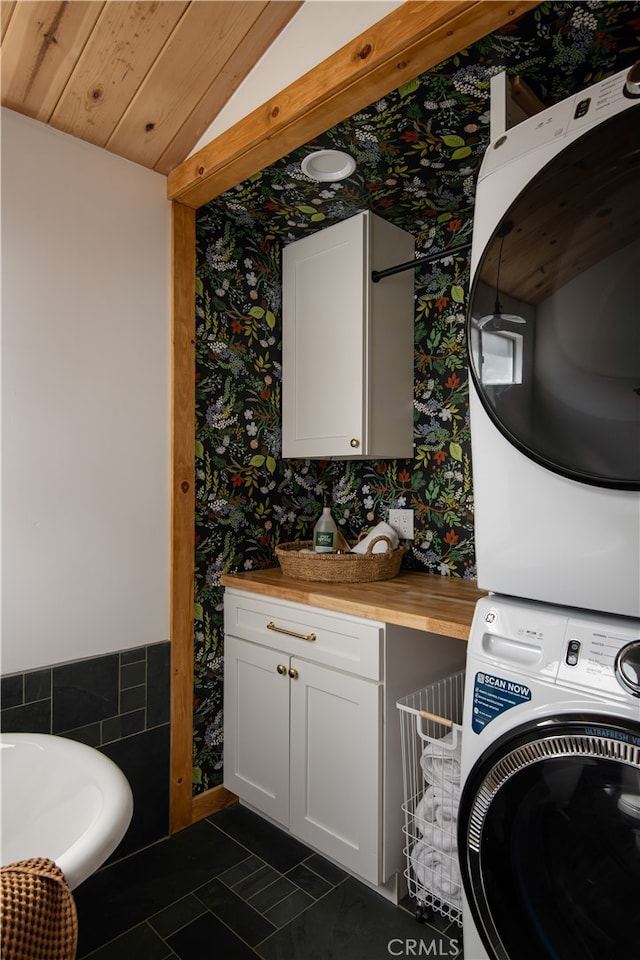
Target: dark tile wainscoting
x=118 y=703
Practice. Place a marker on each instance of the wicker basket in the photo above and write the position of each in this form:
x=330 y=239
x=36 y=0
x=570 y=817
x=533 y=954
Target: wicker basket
x=339 y=567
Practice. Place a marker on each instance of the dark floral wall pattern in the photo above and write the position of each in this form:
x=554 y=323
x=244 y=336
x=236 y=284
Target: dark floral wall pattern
x=418 y=152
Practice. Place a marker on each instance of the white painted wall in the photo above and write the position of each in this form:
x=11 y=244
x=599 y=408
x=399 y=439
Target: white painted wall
x=318 y=29
x=85 y=370
x=85 y=399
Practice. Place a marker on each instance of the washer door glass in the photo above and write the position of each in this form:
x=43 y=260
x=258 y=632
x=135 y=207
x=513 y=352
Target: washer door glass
x=552 y=851
x=554 y=320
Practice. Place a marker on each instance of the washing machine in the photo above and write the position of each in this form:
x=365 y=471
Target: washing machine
x=554 y=342
x=549 y=816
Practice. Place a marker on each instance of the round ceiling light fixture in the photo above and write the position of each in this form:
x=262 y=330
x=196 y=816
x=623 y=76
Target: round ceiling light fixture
x=329 y=165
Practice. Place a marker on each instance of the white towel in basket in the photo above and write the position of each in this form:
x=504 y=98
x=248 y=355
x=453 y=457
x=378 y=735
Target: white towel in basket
x=437 y=872
x=441 y=836
x=439 y=804
x=440 y=761
x=381 y=530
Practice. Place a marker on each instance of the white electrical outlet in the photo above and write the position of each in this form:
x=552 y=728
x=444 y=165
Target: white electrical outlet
x=402 y=523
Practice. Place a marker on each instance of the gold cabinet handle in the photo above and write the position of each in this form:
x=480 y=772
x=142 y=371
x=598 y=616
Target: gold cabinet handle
x=290 y=633
x=354 y=443
x=293 y=673
x=282 y=670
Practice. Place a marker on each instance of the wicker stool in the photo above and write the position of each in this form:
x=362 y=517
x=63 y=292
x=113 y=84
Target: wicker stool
x=38 y=919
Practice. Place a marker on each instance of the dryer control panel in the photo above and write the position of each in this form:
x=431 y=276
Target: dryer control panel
x=561 y=122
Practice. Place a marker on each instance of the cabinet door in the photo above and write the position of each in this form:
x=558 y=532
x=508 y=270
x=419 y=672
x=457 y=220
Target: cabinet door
x=336 y=766
x=256 y=727
x=323 y=342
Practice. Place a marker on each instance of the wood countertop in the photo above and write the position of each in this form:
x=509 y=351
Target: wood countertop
x=424 y=601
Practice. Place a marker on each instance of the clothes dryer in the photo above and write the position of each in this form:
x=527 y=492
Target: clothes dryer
x=549 y=816
x=554 y=341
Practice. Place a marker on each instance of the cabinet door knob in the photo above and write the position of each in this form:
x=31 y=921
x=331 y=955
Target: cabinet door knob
x=354 y=443
x=293 y=673
x=281 y=669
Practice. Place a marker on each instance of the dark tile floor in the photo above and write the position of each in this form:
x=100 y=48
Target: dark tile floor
x=235 y=887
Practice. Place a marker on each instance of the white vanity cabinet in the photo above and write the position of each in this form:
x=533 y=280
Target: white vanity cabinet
x=347 y=343
x=311 y=733
x=302 y=723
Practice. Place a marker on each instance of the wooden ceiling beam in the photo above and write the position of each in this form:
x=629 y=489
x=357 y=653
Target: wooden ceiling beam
x=409 y=41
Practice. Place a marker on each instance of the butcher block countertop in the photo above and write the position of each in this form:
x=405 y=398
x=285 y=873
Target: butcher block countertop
x=423 y=601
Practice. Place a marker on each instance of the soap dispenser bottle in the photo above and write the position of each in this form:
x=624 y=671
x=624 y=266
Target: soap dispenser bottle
x=325 y=533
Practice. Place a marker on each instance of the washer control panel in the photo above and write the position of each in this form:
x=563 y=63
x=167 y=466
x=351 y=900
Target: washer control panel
x=591 y=651
x=599 y=654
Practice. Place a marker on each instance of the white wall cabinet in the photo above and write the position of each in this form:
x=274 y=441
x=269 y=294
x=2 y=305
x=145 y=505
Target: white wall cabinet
x=347 y=343
x=312 y=737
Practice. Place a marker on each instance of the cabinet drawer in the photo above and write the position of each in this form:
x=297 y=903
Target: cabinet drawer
x=337 y=640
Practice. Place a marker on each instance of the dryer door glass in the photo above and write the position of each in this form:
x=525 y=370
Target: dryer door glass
x=554 y=321
x=552 y=864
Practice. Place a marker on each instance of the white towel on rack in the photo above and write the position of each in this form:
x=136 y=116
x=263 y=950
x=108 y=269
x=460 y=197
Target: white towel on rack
x=436 y=871
x=439 y=803
x=440 y=761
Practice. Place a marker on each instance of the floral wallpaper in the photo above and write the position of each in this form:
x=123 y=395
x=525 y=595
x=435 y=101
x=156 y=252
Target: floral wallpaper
x=418 y=152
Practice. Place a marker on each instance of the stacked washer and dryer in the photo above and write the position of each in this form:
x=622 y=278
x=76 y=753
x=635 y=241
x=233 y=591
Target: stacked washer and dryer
x=549 y=818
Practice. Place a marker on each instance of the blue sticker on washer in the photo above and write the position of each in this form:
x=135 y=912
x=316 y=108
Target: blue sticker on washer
x=492 y=696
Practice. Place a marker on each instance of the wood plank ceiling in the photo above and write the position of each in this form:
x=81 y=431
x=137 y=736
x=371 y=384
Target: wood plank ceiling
x=142 y=79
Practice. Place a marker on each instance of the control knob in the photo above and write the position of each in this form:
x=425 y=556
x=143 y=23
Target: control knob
x=631 y=87
x=627 y=667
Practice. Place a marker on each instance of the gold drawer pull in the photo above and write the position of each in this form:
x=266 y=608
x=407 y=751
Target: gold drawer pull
x=290 y=633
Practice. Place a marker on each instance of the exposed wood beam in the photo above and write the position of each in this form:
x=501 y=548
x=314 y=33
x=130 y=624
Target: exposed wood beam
x=409 y=41
x=183 y=254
